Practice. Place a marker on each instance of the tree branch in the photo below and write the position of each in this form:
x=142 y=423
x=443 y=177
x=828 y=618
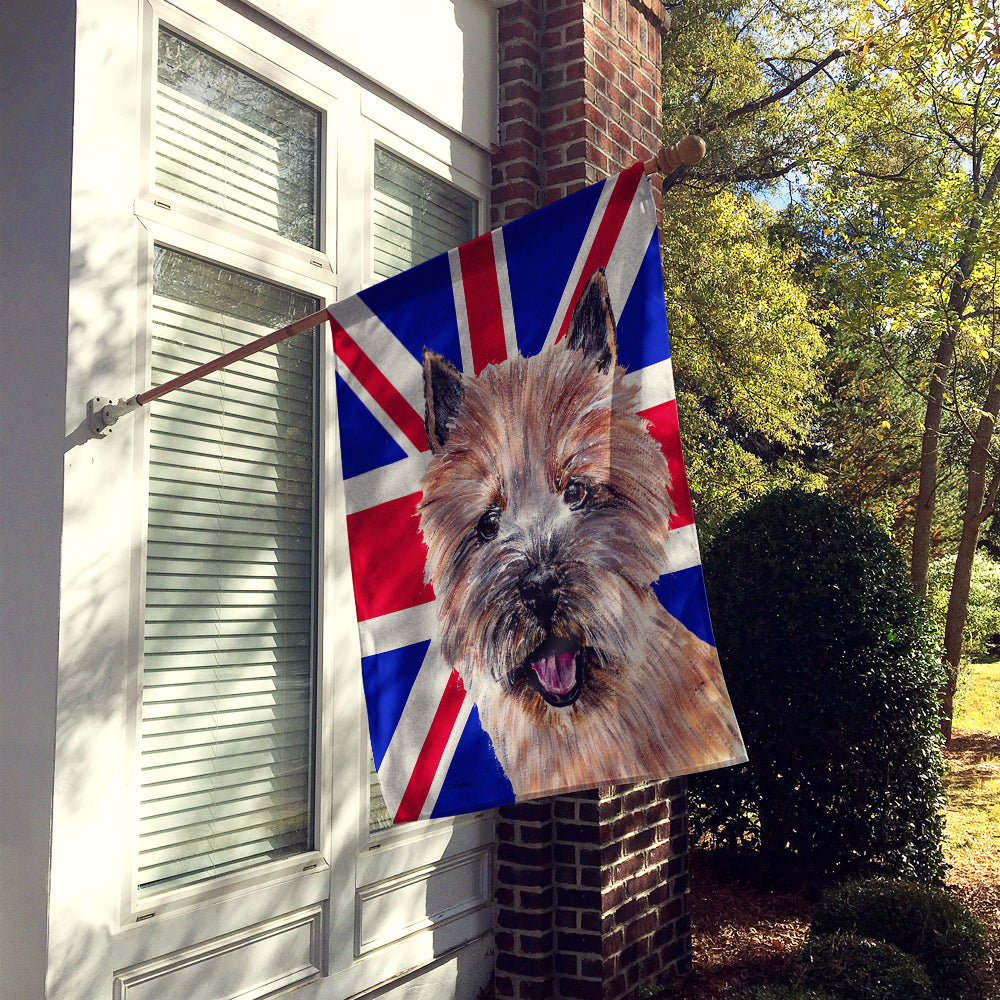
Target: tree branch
x=754 y=106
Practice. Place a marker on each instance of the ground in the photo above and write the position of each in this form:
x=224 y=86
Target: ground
x=742 y=935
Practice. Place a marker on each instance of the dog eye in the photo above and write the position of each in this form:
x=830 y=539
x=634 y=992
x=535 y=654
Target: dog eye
x=576 y=493
x=489 y=524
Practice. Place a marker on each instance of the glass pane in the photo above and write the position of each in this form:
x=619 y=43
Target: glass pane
x=231 y=141
x=228 y=677
x=416 y=217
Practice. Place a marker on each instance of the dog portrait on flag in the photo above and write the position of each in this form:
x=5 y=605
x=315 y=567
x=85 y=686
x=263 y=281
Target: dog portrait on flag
x=525 y=566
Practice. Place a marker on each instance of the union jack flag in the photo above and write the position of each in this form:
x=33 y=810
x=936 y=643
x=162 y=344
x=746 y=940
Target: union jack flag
x=506 y=292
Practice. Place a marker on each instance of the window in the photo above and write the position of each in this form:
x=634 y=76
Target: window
x=415 y=215
x=251 y=803
x=228 y=140
x=229 y=646
x=228 y=678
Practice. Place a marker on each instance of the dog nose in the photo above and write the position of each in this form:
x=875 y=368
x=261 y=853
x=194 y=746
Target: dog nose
x=540 y=591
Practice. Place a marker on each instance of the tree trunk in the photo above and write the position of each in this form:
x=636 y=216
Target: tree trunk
x=958 y=299
x=979 y=503
x=920 y=553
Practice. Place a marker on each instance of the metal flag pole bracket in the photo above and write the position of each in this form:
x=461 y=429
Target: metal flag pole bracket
x=103 y=413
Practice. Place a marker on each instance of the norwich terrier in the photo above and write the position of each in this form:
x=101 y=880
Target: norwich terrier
x=545 y=509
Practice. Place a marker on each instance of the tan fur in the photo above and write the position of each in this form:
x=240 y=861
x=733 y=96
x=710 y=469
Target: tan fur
x=654 y=704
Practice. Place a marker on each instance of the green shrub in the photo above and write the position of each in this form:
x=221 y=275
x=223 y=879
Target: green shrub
x=856 y=968
x=833 y=673
x=923 y=921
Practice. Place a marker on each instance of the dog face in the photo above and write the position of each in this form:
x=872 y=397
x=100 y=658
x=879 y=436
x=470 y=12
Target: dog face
x=544 y=510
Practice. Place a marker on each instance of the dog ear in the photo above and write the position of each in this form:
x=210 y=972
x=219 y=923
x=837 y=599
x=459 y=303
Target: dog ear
x=592 y=328
x=443 y=395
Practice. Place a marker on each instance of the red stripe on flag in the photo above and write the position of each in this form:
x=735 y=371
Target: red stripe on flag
x=387 y=556
x=429 y=758
x=381 y=389
x=608 y=231
x=482 y=302
x=664 y=428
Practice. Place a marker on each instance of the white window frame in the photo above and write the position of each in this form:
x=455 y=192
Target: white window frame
x=350 y=877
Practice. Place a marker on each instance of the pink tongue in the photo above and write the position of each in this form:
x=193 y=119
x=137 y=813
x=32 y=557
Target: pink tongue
x=557 y=672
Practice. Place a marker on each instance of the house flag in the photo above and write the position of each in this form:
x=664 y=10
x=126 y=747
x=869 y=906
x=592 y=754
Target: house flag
x=525 y=566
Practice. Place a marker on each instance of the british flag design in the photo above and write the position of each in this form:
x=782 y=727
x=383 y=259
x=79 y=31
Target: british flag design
x=506 y=292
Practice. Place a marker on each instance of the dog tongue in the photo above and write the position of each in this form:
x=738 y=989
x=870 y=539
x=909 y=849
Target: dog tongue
x=556 y=671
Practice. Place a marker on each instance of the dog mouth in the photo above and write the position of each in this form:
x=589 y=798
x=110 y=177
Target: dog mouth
x=556 y=669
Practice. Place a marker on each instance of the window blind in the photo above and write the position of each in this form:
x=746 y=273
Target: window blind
x=228 y=140
x=228 y=655
x=415 y=217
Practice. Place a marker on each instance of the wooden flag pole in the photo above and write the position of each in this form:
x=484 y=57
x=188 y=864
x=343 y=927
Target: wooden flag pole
x=103 y=413
x=688 y=151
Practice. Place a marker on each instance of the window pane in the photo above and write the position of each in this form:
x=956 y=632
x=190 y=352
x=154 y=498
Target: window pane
x=226 y=139
x=228 y=654
x=416 y=217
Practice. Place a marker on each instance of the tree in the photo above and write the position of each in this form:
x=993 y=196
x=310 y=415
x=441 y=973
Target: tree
x=748 y=353
x=913 y=191
x=747 y=356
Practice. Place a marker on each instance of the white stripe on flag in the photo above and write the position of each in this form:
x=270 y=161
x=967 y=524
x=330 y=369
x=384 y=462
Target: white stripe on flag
x=681 y=548
x=379 y=635
x=391 y=482
x=446 y=757
x=461 y=309
x=383 y=349
x=565 y=303
x=655 y=383
x=388 y=424
x=414 y=724
x=630 y=248
x=506 y=300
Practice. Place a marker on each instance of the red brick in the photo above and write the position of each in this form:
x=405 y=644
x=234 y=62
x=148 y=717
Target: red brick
x=533 y=856
x=521 y=130
x=519 y=920
x=529 y=899
x=517 y=49
x=581 y=989
x=535 y=944
x=538 y=966
x=566 y=963
x=578 y=942
x=640 y=927
x=642 y=882
x=517 y=111
x=521 y=90
x=514 y=875
x=535 y=989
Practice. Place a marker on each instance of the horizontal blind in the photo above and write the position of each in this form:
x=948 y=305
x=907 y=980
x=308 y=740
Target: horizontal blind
x=228 y=654
x=415 y=217
x=228 y=140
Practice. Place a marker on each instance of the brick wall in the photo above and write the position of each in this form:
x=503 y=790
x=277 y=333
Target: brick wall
x=591 y=893
x=591 y=888
x=579 y=96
